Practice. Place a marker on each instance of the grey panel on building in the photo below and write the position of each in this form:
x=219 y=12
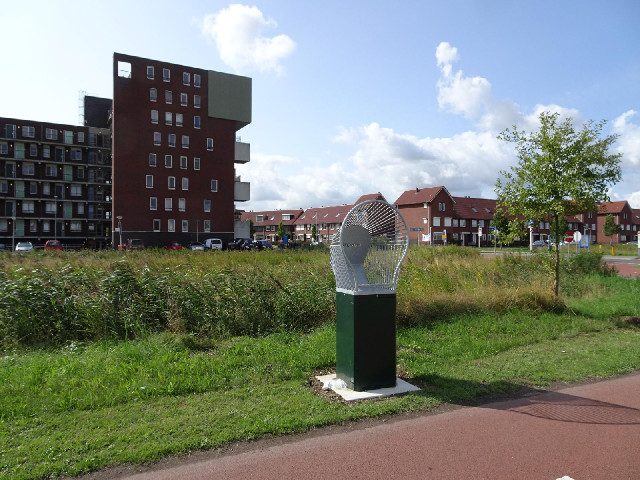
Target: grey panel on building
x=230 y=98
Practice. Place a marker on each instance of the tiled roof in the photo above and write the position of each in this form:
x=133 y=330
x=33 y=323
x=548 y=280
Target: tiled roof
x=475 y=208
x=635 y=215
x=419 y=195
x=370 y=196
x=273 y=217
x=611 y=207
x=315 y=215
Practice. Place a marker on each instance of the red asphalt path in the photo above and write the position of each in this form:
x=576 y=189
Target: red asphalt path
x=587 y=432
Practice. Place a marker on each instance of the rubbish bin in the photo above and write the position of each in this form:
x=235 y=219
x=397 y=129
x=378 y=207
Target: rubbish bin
x=366 y=255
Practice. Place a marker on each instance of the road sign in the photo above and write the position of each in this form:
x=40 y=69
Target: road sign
x=568 y=237
x=577 y=236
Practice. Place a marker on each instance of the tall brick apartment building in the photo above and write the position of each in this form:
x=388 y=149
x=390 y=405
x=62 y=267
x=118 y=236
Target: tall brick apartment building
x=174 y=150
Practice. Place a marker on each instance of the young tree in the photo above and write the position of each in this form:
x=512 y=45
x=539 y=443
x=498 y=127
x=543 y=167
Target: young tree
x=610 y=228
x=281 y=231
x=561 y=171
x=314 y=233
x=501 y=222
x=252 y=229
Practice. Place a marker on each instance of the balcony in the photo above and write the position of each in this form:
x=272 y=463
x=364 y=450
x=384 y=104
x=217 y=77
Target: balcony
x=243 y=152
x=241 y=191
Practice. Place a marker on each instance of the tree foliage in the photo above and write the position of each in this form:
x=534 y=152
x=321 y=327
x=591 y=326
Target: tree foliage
x=281 y=230
x=561 y=171
x=610 y=227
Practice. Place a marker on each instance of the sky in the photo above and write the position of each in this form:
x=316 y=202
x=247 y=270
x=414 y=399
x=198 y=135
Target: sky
x=353 y=97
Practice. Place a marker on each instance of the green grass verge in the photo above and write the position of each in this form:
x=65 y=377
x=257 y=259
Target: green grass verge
x=64 y=411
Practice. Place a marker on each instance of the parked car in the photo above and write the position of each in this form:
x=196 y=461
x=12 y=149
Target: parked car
x=135 y=244
x=196 y=246
x=240 y=244
x=539 y=243
x=289 y=244
x=175 y=246
x=24 y=247
x=53 y=245
x=263 y=244
x=213 y=244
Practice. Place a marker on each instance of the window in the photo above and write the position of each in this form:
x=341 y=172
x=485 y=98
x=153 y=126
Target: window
x=447 y=221
x=75 y=226
x=168 y=204
x=10 y=131
x=153 y=203
x=182 y=204
x=4 y=148
x=153 y=95
x=196 y=80
x=166 y=75
x=184 y=99
x=185 y=183
x=209 y=144
x=93 y=139
x=196 y=163
x=207 y=206
x=474 y=223
x=157 y=138
x=196 y=121
x=76 y=154
x=28 y=132
x=50 y=208
x=463 y=222
x=33 y=188
x=154 y=116
x=185 y=225
x=76 y=190
x=4 y=225
x=150 y=72
x=186 y=78
x=68 y=137
x=172 y=183
x=196 y=101
x=206 y=226
x=185 y=141
x=183 y=163
x=33 y=150
x=178 y=119
x=214 y=186
x=481 y=223
x=33 y=226
x=46 y=151
x=168 y=97
x=455 y=222
x=436 y=221
x=441 y=206
x=80 y=208
x=172 y=139
x=156 y=224
x=28 y=168
x=50 y=171
x=168 y=161
x=168 y=118
x=28 y=206
x=80 y=137
x=153 y=160
x=46 y=227
x=424 y=220
x=18 y=150
x=149 y=180
x=171 y=225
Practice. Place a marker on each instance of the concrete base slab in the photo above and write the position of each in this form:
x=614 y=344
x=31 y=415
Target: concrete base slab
x=329 y=383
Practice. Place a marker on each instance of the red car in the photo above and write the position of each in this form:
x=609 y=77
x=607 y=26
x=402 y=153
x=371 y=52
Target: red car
x=53 y=245
x=175 y=246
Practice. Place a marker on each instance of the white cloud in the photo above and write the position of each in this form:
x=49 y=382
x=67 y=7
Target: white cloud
x=629 y=142
x=634 y=200
x=238 y=33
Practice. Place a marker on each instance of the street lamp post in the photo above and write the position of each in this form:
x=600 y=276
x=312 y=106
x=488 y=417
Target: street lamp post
x=197 y=228
x=119 y=217
x=55 y=218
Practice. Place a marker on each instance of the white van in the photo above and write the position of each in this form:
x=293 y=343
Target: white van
x=213 y=244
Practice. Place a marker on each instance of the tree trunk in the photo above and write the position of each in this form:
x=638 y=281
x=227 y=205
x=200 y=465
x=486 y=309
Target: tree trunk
x=556 y=286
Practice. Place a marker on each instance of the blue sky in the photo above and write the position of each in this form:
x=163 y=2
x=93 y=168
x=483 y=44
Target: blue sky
x=353 y=97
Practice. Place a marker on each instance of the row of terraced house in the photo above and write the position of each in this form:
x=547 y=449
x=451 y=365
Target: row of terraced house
x=433 y=215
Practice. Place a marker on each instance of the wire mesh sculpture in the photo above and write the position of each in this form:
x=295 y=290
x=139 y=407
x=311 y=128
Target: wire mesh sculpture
x=368 y=250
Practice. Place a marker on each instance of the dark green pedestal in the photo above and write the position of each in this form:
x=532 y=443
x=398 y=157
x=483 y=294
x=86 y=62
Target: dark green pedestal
x=366 y=340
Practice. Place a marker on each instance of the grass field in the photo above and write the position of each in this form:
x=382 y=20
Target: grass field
x=72 y=405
